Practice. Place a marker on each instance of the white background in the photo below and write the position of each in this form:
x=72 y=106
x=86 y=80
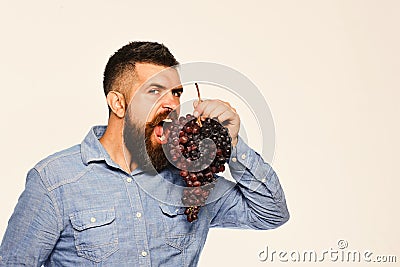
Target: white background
x=328 y=69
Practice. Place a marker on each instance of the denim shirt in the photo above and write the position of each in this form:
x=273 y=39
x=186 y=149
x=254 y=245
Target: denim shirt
x=79 y=208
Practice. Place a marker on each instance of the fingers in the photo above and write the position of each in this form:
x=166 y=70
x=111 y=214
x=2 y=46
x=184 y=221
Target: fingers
x=205 y=107
x=214 y=109
x=225 y=116
x=196 y=102
x=223 y=112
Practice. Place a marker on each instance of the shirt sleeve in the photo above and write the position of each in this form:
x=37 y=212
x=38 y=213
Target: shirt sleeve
x=33 y=228
x=256 y=201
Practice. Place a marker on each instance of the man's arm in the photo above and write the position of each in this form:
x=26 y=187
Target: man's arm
x=33 y=229
x=257 y=200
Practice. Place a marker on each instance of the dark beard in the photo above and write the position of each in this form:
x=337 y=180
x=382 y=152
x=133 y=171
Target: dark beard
x=148 y=156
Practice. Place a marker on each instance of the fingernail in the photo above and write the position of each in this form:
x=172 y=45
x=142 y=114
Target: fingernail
x=196 y=113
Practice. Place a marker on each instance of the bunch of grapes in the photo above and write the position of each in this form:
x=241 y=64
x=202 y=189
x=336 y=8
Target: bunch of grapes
x=199 y=149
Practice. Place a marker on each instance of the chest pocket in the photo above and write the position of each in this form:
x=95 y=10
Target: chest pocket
x=179 y=233
x=95 y=233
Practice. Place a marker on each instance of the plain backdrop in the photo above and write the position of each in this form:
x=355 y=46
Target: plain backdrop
x=329 y=71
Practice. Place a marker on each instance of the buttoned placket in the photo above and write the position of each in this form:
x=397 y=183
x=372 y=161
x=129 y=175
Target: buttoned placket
x=139 y=223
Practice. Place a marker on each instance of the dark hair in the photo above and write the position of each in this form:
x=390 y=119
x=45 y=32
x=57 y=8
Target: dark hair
x=135 y=52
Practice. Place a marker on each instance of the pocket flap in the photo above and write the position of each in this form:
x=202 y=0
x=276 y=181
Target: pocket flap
x=82 y=220
x=171 y=210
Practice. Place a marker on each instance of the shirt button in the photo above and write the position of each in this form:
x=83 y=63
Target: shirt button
x=129 y=180
x=138 y=214
x=144 y=253
x=234 y=159
x=93 y=219
x=263 y=180
x=243 y=156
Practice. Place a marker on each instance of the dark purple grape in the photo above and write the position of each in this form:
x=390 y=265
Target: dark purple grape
x=196 y=183
x=181 y=140
x=185 y=147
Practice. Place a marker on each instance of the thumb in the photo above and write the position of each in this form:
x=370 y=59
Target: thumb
x=195 y=103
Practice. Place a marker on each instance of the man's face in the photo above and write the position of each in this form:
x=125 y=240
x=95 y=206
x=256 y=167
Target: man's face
x=155 y=93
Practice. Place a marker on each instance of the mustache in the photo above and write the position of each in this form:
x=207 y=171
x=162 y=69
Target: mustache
x=162 y=116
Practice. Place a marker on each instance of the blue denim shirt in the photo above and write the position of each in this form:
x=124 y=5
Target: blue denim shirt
x=79 y=208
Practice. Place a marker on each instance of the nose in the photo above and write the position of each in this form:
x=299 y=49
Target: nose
x=169 y=101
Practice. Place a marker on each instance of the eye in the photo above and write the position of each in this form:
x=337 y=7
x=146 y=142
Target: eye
x=154 y=91
x=177 y=92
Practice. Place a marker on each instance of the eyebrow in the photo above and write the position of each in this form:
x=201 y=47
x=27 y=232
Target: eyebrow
x=162 y=87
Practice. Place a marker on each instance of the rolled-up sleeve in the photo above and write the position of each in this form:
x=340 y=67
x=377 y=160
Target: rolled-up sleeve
x=33 y=228
x=257 y=200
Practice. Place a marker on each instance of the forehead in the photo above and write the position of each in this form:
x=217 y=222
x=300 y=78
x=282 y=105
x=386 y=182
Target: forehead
x=147 y=73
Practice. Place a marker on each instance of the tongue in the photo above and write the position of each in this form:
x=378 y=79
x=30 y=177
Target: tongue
x=158 y=130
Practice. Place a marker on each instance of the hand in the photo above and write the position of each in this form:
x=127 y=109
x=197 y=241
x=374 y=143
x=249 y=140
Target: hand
x=223 y=112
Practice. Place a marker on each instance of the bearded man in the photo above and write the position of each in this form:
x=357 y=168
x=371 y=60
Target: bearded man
x=105 y=201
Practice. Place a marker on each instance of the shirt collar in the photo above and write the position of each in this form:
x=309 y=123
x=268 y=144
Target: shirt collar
x=93 y=151
x=91 y=148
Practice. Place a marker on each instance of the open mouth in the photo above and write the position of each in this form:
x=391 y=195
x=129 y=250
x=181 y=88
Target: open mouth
x=161 y=131
x=161 y=126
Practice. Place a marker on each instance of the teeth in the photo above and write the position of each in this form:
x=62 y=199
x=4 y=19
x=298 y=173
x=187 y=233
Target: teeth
x=167 y=120
x=162 y=138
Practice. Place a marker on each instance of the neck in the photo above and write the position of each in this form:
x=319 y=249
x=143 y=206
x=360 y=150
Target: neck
x=112 y=142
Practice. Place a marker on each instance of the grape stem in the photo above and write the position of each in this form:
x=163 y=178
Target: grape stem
x=198 y=94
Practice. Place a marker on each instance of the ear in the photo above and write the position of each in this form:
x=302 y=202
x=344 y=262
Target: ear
x=116 y=102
